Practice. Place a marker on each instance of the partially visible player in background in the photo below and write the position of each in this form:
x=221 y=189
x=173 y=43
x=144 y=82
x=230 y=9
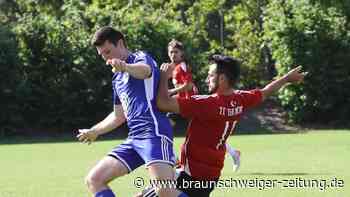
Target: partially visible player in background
x=181 y=77
x=182 y=72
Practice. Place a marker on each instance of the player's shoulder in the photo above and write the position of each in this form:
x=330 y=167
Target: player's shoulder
x=239 y=91
x=183 y=66
x=144 y=56
x=206 y=98
x=180 y=67
x=242 y=92
x=245 y=93
x=140 y=54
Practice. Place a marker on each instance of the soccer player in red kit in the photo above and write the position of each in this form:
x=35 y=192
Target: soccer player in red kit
x=181 y=74
x=185 y=88
x=212 y=119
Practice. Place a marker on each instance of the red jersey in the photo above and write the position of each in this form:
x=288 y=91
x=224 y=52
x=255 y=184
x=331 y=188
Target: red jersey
x=212 y=120
x=182 y=75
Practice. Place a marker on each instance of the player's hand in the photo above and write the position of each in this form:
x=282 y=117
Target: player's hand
x=87 y=135
x=295 y=75
x=117 y=65
x=167 y=68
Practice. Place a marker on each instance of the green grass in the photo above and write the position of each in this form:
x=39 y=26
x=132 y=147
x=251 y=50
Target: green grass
x=58 y=169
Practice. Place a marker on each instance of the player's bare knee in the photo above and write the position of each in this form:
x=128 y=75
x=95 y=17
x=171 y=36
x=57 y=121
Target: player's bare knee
x=89 y=181
x=162 y=192
x=92 y=180
x=165 y=192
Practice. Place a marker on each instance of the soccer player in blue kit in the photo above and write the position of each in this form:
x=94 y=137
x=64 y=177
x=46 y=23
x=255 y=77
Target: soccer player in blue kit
x=150 y=138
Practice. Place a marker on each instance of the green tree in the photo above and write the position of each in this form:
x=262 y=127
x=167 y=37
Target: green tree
x=10 y=77
x=316 y=36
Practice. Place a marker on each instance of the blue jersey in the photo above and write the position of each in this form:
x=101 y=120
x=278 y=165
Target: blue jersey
x=138 y=99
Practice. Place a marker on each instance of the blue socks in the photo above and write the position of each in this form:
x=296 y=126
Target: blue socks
x=183 y=195
x=105 y=193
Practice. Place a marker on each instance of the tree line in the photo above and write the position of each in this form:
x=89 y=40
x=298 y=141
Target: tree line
x=51 y=77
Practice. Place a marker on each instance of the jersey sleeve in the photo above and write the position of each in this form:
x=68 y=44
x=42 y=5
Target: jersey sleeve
x=186 y=73
x=181 y=74
x=141 y=58
x=195 y=106
x=251 y=98
x=145 y=59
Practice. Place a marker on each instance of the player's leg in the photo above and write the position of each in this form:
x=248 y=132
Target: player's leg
x=151 y=191
x=165 y=173
x=235 y=155
x=101 y=174
x=147 y=192
x=120 y=161
x=183 y=183
x=159 y=156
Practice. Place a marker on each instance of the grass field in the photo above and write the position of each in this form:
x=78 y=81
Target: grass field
x=58 y=169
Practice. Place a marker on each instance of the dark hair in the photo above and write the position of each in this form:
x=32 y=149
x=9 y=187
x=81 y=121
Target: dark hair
x=228 y=66
x=176 y=44
x=107 y=33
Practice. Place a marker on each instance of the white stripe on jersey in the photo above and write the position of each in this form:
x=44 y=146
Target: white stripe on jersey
x=149 y=83
x=165 y=147
x=167 y=150
x=187 y=165
x=183 y=66
x=222 y=140
x=149 y=192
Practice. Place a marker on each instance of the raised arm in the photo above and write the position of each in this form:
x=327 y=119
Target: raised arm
x=181 y=88
x=293 y=76
x=112 y=121
x=138 y=70
x=164 y=101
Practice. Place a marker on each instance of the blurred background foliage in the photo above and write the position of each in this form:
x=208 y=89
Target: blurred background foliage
x=51 y=77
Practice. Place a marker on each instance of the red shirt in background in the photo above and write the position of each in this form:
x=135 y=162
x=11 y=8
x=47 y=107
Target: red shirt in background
x=182 y=75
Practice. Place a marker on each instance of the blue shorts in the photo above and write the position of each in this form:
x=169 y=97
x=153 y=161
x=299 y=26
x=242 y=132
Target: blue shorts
x=135 y=152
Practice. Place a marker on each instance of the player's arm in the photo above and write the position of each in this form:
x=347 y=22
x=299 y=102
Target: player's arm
x=139 y=70
x=187 y=86
x=112 y=121
x=293 y=76
x=164 y=101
